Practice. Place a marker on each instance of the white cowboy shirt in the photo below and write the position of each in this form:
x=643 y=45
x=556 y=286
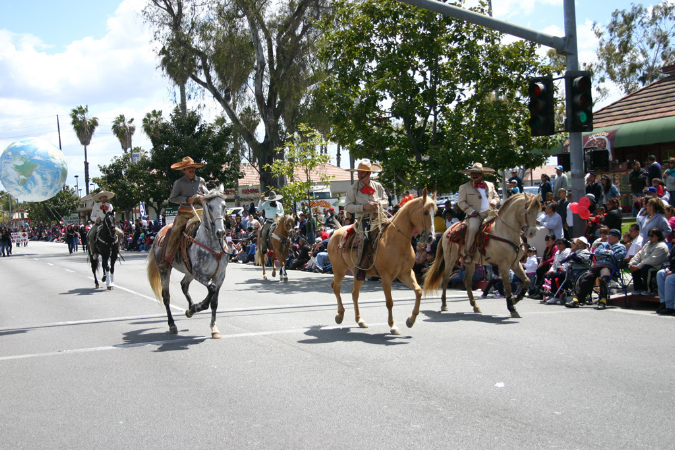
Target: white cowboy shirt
x=99 y=209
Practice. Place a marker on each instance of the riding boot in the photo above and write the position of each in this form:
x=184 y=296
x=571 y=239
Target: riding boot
x=176 y=230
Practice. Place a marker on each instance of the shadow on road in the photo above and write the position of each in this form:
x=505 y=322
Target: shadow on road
x=164 y=341
x=84 y=291
x=10 y=332
x=443 y=317
x=320 y=335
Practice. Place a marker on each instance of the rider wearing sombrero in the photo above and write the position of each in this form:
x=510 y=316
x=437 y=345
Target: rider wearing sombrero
x=272 y=209
x=362 y=200
x=98 y=212
x=476 y=198
x=185 y=190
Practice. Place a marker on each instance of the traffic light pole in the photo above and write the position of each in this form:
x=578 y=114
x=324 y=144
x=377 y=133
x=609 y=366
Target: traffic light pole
x=576 y=140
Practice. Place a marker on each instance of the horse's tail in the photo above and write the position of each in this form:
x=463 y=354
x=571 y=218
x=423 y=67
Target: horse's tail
x=154 y=276
x=259 y=257
x=435 y=272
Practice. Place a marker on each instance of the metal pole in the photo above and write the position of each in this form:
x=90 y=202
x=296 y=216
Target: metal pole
x=576 y=142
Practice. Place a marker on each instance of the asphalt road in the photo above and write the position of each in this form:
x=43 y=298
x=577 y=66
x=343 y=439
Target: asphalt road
x=85 y=368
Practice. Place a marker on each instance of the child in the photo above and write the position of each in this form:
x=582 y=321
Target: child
x=530 y=267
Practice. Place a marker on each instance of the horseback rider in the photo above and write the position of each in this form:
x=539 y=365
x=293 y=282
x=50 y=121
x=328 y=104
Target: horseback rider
x=98 y=212
x=272 y=210
x=185 y=190
x=476 y=198
x=362 y=200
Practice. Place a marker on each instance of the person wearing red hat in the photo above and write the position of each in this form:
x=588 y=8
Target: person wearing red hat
x=185 y=191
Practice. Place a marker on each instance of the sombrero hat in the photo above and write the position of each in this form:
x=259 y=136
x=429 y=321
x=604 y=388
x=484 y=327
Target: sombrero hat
x=366 y=166
x=477 y=168
x=185 y=163
x=272 y=196
x=97 y=197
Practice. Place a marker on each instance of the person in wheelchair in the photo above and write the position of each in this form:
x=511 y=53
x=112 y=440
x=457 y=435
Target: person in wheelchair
x=556 y=274
x=608 y=255
x=576 y=263
x=651 y=256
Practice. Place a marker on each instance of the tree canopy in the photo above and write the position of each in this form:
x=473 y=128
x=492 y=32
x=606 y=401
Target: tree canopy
x=635 y=45
x=425 y=94
x=63 y=204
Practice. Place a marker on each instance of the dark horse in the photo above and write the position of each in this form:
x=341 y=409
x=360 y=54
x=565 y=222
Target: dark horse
x=199 y=257
x=106 y=244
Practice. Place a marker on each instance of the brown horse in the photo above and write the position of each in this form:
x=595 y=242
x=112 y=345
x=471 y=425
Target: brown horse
x=394 y=257
x=279 y=241
x=517 y=216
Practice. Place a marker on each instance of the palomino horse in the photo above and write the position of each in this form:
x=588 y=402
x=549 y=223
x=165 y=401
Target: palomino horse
x=280 y=242
x=394 y=257
x=199 y=258
x=106 y=244
x=517 y=216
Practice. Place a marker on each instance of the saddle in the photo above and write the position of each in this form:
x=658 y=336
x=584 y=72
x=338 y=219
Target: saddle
x=183 y=244
x=457 y=235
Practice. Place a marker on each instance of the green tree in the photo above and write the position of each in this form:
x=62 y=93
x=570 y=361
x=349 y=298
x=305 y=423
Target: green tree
x=84 y=127
x=186 y=135
x=123 y=131
x=415 y=90
x=303 y=155
x=126 y=179
x=635 y=45
x=56 y=208
x=250 y=55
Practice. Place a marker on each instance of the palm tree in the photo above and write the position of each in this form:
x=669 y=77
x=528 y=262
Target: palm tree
x=124 y=130
x=84 y=129
x=152 y=122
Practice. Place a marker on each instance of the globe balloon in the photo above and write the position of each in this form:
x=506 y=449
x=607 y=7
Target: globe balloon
x=33 y=169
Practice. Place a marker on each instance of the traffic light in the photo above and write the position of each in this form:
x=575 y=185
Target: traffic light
x=579 y=101
x=541 y=106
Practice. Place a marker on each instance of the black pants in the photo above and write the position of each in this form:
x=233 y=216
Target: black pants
x=588 y=281
x=640 y=278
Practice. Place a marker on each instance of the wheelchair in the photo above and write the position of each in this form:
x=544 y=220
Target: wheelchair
x=570 y=287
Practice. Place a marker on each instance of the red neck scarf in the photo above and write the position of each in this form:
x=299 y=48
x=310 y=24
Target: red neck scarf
x=104 y=208
x=481 y=185
x=368 y=190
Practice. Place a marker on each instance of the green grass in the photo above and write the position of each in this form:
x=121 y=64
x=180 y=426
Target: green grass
x=626 y=223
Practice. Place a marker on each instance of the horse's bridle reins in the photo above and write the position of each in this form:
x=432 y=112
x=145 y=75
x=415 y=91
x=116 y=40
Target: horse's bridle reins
x=424 y=230
x=112 y=233
x=219 y=255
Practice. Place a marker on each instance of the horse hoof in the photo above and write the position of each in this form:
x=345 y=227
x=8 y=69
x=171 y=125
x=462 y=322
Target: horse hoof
x=395 y=331
x=97 y=286
x=103 y=278
x=264 y=277
x=274 y=275
x=515 y=314
x=444 y=308
x=410 y=322
x=338 y=318
x=477 y=310
x=215 y=335
x=363 y=324
x=173 y=329
x=286 y=280
x=189 y=313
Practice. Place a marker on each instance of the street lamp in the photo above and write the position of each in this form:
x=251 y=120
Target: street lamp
x=77 y=184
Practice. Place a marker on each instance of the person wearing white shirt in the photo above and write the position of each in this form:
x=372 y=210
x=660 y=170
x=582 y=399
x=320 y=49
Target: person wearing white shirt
x=635 y=245
x=552 y=221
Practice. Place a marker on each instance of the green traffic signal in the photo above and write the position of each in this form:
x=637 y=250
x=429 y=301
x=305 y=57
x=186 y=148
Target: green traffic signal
x=579 y=101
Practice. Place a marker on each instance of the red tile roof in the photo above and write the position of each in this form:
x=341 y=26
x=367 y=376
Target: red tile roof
x=654 y=101
x=252 y=177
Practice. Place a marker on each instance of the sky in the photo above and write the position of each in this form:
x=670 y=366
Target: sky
x=58 y=54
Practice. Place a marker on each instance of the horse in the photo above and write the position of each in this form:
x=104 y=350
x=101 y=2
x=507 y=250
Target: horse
x=106 y=244
x=394 y=257
x=517 y=216
x=199 y=257
x=280 y=242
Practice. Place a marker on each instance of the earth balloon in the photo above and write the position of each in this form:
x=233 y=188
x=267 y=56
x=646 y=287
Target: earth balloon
x=33 y=169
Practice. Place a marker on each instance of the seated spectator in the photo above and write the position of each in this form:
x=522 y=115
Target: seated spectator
x=530 y=267
x=613 y=218
x=303 y=255
x=494 y=282
x=450 y=218
x=577 y=261
x=545 y=264
x=659 y=184
x=608 y=254
x=635 y=244
x=652 y=255
x=603 y=233
x=556 y=273
x=666 y=283
x=670 y=215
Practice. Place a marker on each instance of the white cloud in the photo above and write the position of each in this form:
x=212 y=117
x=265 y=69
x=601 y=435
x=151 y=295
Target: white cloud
x=113 y=75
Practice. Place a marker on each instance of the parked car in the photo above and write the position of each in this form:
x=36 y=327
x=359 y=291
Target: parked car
x=232 y=212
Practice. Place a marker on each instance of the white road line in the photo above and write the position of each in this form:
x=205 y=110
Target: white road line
x=173 y=341
x=117 y=286
x=50 y=264
x=71 y=271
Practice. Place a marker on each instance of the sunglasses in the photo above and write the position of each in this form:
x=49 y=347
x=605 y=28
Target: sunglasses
x=651 y=235
x=603 y=232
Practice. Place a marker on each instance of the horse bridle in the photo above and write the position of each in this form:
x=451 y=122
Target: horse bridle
x=424 y=230
x=208 y=224
x=112 y=232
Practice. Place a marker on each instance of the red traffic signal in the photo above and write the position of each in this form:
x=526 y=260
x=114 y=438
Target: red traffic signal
x=541 y=106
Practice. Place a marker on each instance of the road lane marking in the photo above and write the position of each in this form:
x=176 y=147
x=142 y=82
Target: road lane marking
x=71 y=271
x=177 y=341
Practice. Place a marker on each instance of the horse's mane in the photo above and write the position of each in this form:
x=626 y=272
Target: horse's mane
x=215 y=192
x=529 y=205
x=423 y=200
